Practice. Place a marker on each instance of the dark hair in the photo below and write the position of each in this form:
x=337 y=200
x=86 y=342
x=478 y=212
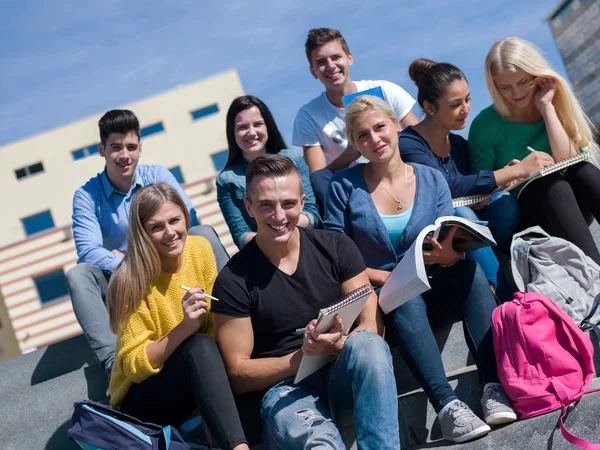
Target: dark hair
x=275 y=142
x=270 y=166
x=118 y=121
x=433 y=79
x=317 y=37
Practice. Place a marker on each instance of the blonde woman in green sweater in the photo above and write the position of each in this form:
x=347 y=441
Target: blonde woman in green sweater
x=535 y=107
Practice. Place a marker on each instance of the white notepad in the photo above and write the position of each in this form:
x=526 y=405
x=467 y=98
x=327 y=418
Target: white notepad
x=348 y=308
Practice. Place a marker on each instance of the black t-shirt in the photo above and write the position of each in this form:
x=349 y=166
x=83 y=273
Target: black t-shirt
x=279 y=304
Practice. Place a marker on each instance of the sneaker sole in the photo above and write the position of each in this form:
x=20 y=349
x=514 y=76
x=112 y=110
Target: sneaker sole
x=500 y=418
x=478 y=432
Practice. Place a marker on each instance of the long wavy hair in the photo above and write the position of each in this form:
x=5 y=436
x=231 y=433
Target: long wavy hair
x=141 y=266
x=512 y=54
x=275 y=142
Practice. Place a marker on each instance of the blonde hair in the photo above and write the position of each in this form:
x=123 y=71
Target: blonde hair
x=141 y=266
x=512 y=54
x=362 y=104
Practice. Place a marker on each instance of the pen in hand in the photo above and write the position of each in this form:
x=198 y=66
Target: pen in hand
x=531 y=149
x=185 y=288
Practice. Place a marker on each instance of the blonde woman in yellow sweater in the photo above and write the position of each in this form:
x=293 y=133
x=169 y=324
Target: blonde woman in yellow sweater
x=166 y=362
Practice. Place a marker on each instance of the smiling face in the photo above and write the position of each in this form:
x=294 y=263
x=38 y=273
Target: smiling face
x=121 y=152
x=330 y=64
x=375 y=135
x=515 y=88
x=167 y=231
x=250 y=133
x=275 y=204
x=453 y=107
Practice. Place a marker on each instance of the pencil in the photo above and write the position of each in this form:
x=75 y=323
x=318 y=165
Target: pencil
x=185 y=288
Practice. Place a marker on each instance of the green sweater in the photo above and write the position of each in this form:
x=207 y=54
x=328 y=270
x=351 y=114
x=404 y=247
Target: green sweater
x=495 y=141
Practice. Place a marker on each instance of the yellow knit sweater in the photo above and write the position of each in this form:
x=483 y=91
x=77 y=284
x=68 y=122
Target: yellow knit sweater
x=159 y=313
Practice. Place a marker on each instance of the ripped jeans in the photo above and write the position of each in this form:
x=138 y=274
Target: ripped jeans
x=308 y=414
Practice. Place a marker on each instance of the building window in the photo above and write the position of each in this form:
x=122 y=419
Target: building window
x=38 y=222
x=28 y=171
x=51 y=286
x=176 y=172
x=219 y=159
x=152 y=129
x=85 y=152
x=206 y=111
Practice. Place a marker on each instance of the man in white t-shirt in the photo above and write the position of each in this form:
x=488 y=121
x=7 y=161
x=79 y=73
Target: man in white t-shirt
x=319 y=127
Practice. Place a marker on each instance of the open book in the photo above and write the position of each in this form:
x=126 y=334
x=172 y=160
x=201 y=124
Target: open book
x=556 y=167
x=348 y=308
x=409 y=278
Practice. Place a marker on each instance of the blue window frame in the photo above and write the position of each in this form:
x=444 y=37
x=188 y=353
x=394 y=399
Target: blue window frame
x=84 y=152
x=38 y=222
x=152 y=129
x=219 y=159
x=206 y=111
x=26 y=172
x=51 y=286
x=176 y=172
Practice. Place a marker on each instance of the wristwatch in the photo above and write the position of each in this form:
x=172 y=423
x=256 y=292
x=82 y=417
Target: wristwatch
x=460 y=256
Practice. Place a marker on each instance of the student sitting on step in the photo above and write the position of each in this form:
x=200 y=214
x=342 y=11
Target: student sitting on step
x=383 y=205
x=167 y=364
x=319 y=126
x=535 y=107
x=270 y=295
x=252 y=132
x=100 y=223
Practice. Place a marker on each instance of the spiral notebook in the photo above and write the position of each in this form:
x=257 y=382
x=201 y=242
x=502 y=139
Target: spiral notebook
x=552 y=168
x=348 y=308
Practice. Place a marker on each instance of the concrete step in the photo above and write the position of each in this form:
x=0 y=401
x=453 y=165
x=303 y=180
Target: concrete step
x=538 y=433
x=418 y=420
x=38 y=416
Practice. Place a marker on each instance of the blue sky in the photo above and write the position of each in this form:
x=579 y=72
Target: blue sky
x=65 y=60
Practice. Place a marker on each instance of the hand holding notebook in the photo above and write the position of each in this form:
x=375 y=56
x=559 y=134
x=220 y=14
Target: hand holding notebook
x=346 y=311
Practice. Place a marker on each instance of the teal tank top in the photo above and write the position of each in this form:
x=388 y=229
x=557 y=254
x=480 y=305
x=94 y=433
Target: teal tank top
x=396 y=224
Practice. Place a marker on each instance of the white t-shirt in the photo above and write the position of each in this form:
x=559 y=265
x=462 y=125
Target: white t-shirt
x=319 y=122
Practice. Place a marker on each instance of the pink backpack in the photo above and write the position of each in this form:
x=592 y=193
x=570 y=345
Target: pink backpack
x=545 y=362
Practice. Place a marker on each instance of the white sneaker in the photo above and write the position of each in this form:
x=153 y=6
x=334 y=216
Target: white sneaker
x=460 y=424
x=496 y=406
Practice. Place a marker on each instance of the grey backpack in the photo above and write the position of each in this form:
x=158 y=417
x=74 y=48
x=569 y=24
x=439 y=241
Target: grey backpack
x=559 y=270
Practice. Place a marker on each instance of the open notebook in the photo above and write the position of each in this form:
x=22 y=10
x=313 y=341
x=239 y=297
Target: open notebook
x=552 y=168
x=348 y=308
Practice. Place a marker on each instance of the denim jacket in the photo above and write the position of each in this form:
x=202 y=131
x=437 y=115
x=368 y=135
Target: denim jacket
x=231 y=191
x=350 y=210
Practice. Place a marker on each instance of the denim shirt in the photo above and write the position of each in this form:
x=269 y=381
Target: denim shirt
x=456 y=167
x=350 y=210
x=231 y=191
x=101 y=215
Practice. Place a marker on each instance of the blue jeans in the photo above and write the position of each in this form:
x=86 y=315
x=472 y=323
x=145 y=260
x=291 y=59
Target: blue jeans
x=361 y=380
x=502 y=215
x=319 y=180
x=463 y=285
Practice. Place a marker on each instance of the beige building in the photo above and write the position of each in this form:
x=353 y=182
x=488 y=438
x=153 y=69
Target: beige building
x=182 y=129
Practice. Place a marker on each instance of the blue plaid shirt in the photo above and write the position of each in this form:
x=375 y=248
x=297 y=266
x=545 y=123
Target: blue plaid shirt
x=101 y=215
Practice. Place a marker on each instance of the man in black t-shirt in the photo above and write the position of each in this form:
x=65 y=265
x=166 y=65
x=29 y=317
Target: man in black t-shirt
x=270 y=294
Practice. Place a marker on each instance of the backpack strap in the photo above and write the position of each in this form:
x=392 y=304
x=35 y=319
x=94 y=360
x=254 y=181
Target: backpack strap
x=585 y=323
x=576 y=440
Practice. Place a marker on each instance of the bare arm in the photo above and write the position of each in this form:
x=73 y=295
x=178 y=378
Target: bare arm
x=315 y=158
x=408 y=120
x=371 y=317
x=303 y=221
x=560 y=143
x=235 y=338
x=378 y=277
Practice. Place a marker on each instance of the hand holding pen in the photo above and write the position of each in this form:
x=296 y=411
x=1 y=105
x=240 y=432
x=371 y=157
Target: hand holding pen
x=194 y=306
x=535 y=161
